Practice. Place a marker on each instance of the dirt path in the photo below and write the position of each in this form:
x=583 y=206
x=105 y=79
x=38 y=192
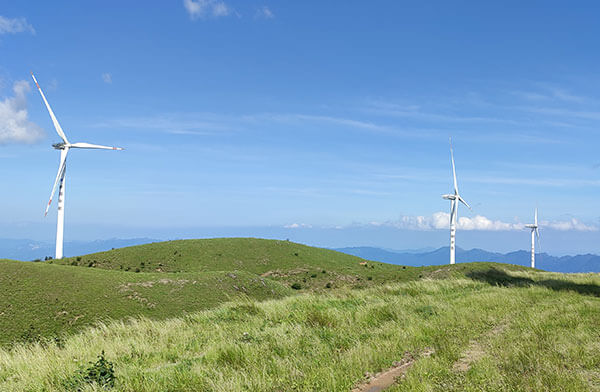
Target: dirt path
x=476 y=350
x=387 y=378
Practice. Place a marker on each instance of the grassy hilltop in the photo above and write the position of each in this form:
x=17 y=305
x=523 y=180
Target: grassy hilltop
x=221 y=315
x=167 y=279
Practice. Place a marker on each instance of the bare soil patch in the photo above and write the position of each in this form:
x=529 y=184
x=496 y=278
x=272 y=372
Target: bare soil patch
x=387 y=378
x=476 y=350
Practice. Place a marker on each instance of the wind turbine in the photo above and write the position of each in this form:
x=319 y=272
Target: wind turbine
x=64 y=147
x=534 y=233
x=454 y=199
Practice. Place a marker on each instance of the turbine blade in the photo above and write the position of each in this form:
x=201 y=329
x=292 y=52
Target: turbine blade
x=97 y=146
x=536 y=217
x=453 y=168
x=59 y=176
x=52 y=116
x=465 y=203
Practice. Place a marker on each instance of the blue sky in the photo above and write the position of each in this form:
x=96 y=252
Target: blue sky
x=315 y=121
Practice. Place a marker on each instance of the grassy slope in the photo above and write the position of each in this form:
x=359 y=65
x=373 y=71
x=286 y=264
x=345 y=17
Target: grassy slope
x=44 y=299
x=326 y=342
x=279 y=260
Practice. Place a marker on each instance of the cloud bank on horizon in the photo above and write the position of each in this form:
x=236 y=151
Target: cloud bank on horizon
x=441 y=221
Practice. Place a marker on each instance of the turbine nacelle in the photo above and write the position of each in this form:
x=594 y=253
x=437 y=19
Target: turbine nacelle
x=449 y=197
x=59 y=146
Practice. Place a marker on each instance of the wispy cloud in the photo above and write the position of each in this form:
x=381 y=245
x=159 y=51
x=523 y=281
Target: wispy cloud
x=15 y=25
x=441 y=221
x=107 y=78
x=298 y=226
x=265 y=13
x=15 y=126
x=570 y=225
x=415 y=111
x=204 y=8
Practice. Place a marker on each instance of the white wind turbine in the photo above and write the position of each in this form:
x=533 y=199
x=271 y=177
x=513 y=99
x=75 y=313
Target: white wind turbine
x=534 y=233
x=454 y=199
x=60 y=176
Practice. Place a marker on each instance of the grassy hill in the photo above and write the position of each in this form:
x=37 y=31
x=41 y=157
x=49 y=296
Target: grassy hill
x=499 y=330
x=163 y=280
x=41 y=299
x=278 y=260
x=250 y=314
x=177 y=277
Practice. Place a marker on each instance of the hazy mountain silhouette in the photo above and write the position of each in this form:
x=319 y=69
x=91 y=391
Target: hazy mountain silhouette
x=579 y=263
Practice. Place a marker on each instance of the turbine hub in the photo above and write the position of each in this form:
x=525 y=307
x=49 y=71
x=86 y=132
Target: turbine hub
x=59 y=146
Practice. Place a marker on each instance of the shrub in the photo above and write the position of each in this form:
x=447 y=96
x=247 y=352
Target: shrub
x=296 y=286
x=73 y=262
x=137 y=270
x=100 y=373
x=295 y=253
x=313 y=276
x=369 y=278
x=78 y=258
x=328 y=285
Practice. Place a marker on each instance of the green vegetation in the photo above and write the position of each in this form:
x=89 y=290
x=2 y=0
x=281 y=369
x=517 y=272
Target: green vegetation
x=42 y=300
x=533 y=331
x=282 y=261
x=249 y=314
x=45 y=300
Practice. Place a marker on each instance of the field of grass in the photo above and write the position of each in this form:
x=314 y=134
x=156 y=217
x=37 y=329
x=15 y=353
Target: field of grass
x=510 y=330
x=45 y=300
x=284 y=261
x=168 y=279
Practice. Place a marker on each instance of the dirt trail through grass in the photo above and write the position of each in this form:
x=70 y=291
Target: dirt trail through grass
x=476 y=349
x=383 y=380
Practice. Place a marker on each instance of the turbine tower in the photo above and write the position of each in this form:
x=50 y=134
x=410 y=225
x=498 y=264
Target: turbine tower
x=534 y=233
x=454 y=199
x=64 y=147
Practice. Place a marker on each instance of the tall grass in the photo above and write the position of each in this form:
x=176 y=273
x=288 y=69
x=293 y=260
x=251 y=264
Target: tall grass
x=326 y=342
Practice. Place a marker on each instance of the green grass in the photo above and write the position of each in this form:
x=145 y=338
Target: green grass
x=278 y=260
x=327 y=341
x=44 y=300
x=250 y=314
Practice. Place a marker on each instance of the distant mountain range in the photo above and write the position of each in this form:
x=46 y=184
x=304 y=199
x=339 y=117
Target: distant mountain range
x=579 y=263
x=27 y=250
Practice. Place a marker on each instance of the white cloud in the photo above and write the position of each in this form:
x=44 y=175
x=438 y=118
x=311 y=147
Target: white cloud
x=298 y=226
x=14 y=124
x=16 y=25
x=107 y=78
x=265 y=12
x=441 y=220
x=570 y=225
x=202 y=8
